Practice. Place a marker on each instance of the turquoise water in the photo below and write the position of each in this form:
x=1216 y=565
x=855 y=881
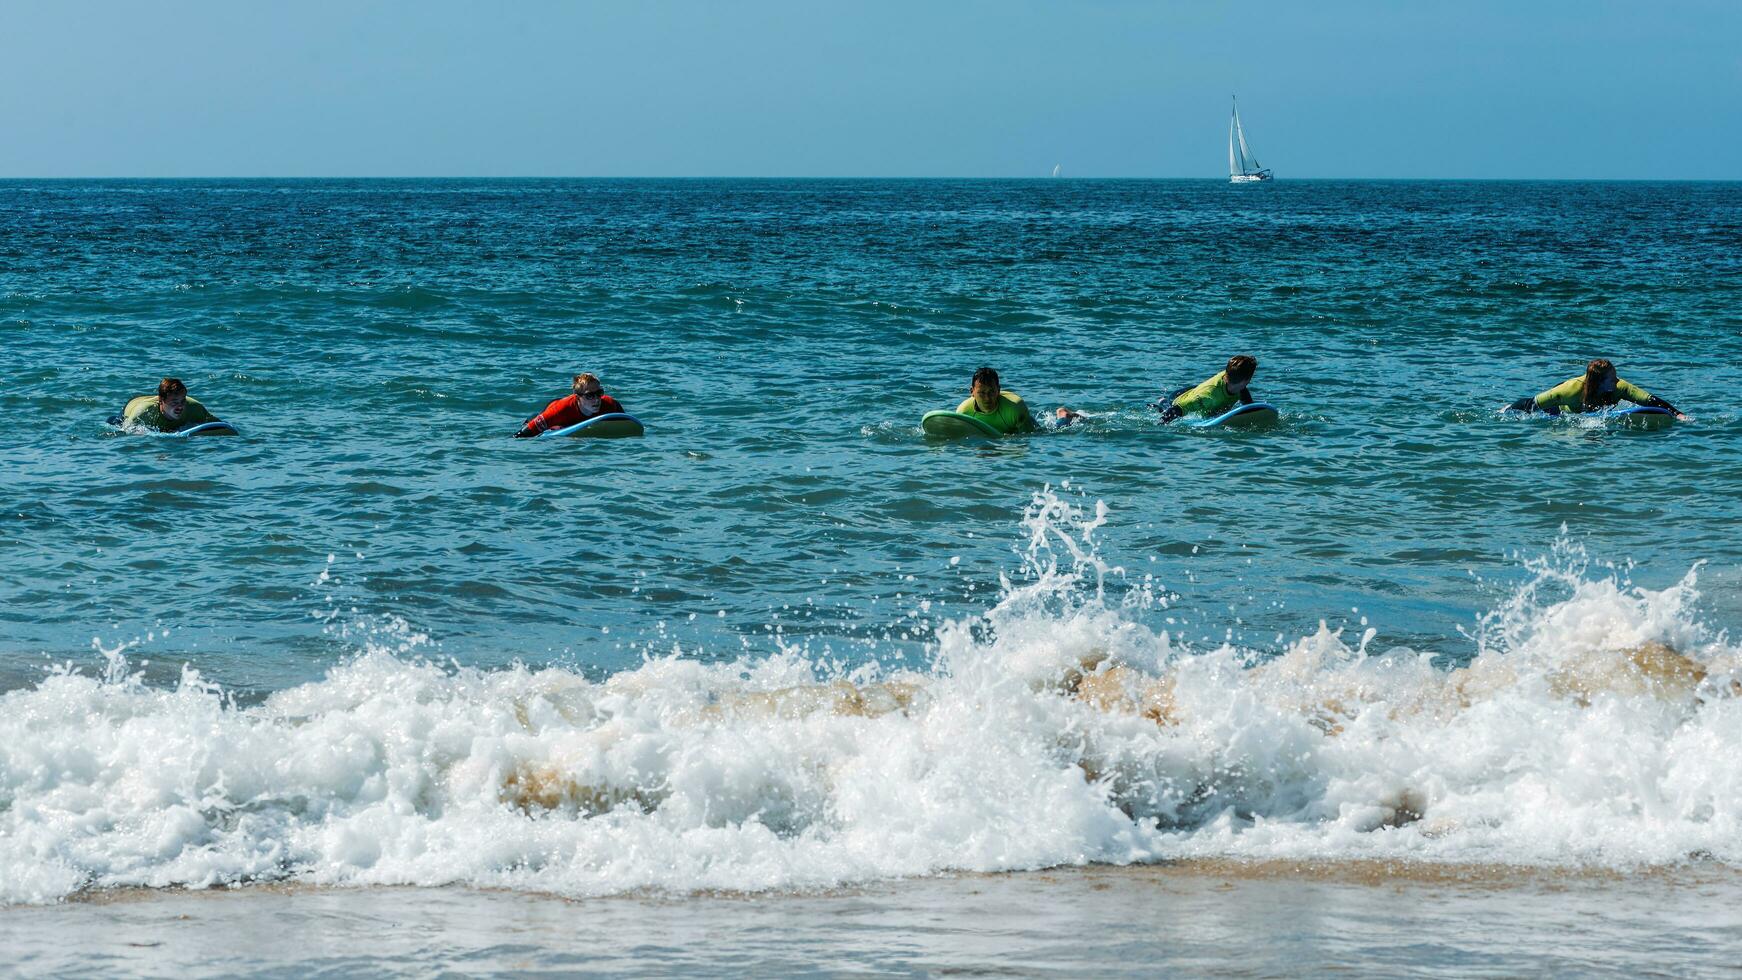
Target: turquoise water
x=377 y=341
x=304 y=640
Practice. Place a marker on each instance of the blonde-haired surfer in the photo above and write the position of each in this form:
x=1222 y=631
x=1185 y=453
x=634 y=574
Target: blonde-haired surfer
x=588 y=401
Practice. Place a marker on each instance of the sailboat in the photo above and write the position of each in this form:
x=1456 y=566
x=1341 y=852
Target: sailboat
x=1056 y=168
x=1243 y=167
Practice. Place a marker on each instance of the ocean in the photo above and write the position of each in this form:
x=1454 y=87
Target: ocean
x=784 y=659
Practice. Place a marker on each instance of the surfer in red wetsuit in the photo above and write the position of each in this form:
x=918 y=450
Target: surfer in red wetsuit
x=588 y=401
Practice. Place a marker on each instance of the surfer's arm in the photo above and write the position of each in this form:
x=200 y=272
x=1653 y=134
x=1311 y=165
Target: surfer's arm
x=1652 y=401
x=1245 y=396
x=1022 y=420
x=1639 y=396
x=538 y=425
x=1533 y=403
x=556 y=415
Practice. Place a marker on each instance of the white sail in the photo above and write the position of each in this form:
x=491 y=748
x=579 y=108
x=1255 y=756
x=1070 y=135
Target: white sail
x=1055 y=169
x=1249 y=160
x=1234 y=161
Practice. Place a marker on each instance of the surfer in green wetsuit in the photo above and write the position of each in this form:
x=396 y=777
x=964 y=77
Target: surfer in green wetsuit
x=991 y=404
x=168 y=411
x=1597 y=389
x=1224 y=390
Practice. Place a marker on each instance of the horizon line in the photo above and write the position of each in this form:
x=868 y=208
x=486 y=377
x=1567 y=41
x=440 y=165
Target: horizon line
x=700 y=177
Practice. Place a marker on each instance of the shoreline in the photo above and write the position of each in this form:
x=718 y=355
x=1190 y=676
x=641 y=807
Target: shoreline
x=1198 y=918
x=1358 y=872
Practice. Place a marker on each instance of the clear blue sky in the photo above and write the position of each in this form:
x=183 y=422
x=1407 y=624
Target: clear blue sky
x=1328 y=88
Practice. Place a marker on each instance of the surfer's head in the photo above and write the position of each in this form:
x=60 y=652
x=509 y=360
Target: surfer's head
x=1600 y=382
x=172 y=398
x=588 y=391
x=1240 y=369
x=985 y=389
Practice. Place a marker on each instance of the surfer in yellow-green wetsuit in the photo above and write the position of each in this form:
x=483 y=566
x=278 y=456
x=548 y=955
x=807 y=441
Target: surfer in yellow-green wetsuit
x=167 y=411
x=991 y=404
x=1222 y=391
x=1597 y=389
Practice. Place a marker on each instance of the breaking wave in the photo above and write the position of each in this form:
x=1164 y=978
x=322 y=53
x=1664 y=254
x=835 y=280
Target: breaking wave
x=1591 y=725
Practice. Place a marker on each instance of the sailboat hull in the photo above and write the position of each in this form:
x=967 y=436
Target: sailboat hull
x=1260 y=176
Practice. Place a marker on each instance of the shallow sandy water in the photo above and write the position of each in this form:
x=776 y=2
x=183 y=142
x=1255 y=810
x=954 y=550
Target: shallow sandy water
x=1201 y=918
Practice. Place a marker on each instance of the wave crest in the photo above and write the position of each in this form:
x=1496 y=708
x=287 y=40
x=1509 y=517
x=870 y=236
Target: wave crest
x=1591 y=726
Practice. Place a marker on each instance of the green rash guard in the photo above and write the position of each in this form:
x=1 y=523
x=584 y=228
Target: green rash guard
x=144 y=413
x=1011 y=416
x=1210 y=398
x=1569 y=395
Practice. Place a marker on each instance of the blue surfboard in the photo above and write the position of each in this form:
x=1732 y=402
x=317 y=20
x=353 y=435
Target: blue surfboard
x=1240 y=416
x=207 y=429
x=213 y=428
x=611 y=425
x=1643 y=416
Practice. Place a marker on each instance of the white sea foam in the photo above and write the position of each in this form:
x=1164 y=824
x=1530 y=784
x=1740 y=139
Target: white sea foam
x=1595 y=725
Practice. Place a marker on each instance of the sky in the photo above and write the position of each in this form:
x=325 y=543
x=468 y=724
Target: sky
x=882 y=88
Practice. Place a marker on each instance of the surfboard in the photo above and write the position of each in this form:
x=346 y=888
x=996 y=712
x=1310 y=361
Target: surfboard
x=214 y=428
x=955 y=425
x=1645 y=416
x=611 y=425
x=1240 y=416
x=1636 y=416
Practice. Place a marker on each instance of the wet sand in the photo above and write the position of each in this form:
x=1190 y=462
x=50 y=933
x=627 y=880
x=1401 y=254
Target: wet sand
x=1221 y=918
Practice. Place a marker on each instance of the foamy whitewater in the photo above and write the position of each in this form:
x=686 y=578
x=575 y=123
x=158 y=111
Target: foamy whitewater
x=1593 y=724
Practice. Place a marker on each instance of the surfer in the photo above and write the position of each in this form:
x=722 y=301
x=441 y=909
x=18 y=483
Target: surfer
x=1214 y=396
x=166 y=411
x=1597 y=389
x=588 y=401
x=991 y=404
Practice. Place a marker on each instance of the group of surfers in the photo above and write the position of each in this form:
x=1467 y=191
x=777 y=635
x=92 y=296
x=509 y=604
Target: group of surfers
x=1598 y=388
x=171 y=410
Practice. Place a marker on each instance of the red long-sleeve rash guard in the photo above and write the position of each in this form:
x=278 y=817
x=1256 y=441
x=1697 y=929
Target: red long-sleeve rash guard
x=565 y=412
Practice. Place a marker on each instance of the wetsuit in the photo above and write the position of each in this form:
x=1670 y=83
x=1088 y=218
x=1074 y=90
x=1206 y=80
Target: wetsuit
x=563 y=413
x=142 y=412
x=1011 y=415
x=1210 y=398
x=1569 y=396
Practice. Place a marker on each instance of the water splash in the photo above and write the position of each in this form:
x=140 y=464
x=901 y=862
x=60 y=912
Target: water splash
x=1592 y=725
